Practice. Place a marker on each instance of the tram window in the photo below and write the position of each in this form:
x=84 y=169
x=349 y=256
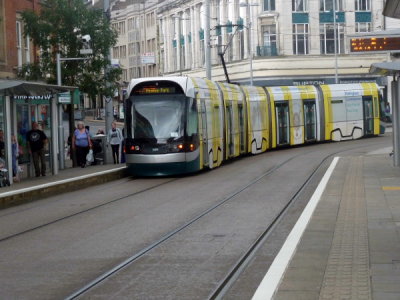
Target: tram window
x=338 y=111
x=128 y=118
x=192 y=118
x=256 y=115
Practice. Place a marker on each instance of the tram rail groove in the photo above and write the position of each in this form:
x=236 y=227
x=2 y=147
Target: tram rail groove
x=84 y=211
x=136 y=256
x=246 y=258
x=239 y=266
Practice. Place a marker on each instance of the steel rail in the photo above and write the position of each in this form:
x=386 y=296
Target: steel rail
x=139 y=254
x=84 y=211
x=233 y=274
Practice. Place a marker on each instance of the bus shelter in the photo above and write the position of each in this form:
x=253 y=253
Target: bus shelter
x=392 y=69
x=23 y=102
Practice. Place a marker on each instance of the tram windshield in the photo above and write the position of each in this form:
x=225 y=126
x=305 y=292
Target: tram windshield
x=158 y=117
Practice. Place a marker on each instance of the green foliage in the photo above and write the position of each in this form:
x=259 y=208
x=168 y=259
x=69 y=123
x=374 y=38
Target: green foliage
x=57 y=28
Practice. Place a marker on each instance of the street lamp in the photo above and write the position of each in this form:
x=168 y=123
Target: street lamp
x=250 y=48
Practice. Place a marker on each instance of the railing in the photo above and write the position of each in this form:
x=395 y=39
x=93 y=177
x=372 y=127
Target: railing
x=267 y=51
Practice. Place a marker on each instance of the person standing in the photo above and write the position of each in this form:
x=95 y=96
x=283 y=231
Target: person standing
x=37 y=140
x=2 y=145
x=115 y=138
x=81 y=143
x=14 y=155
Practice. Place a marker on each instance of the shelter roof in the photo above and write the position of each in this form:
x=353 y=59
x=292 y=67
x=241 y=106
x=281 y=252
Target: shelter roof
x=387 y=68
x=30 y=88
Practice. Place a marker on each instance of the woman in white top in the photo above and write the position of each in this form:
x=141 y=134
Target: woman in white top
x=114 y=138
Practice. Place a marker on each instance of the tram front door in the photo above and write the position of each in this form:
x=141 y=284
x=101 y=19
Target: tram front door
x=368 y=115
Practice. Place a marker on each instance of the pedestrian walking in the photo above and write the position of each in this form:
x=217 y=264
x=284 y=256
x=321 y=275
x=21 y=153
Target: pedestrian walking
x=37 y=140
x=115 y=138
x=2 y=145
x=81 y=143
x=14 y=155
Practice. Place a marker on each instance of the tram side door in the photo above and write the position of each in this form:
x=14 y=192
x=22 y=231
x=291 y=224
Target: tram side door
x=241 y=129
x=282 y=122
x=230 y=134
x=204 y=135
x=368 y=115
x=310 y=120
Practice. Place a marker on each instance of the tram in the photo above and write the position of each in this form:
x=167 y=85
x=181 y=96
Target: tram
x=178 y=125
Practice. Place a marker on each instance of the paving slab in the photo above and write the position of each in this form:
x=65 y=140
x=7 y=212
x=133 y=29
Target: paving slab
x=351 y=247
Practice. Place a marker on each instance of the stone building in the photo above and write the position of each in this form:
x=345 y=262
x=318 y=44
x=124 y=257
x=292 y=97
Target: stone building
x=292 y=41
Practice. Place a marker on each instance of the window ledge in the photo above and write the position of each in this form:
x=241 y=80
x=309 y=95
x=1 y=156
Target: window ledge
x=266 y=14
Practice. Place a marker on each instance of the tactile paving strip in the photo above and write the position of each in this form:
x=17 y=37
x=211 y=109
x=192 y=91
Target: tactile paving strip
x=347 y=271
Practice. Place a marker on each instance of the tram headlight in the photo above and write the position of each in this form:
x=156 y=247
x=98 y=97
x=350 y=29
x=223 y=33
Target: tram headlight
x=182 y=147
x=134 y=148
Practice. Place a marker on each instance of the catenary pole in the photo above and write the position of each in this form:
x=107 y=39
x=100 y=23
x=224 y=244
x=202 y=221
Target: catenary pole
x=60 y=118
x=207 y=41
x=335 y=41
x=108 y=100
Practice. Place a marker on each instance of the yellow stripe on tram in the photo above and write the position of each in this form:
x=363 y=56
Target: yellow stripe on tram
x=327 y=94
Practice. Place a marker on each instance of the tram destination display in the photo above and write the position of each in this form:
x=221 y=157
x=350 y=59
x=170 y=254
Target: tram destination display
x=374 y=44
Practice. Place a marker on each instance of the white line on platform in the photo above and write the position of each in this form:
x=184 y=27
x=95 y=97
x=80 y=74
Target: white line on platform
x=271 y=280
x=46 y=185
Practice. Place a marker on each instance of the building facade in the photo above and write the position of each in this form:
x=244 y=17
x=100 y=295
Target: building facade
x=15 y=49
x=292 y=41
x=137 y=46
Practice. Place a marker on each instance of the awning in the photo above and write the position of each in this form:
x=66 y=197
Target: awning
x=28 y=88
x=388 y=68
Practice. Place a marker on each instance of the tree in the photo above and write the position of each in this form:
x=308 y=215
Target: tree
x=58 y=27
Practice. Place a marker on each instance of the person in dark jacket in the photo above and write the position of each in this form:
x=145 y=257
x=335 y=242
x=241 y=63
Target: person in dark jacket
x=37 y=140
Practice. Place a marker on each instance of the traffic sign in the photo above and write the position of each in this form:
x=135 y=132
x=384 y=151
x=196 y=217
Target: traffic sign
x=64 y=98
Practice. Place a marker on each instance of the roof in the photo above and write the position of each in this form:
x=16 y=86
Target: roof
x=385 y=68
x=29 y=88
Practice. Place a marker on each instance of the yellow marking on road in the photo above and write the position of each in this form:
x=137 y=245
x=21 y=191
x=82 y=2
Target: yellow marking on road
x=391 y=188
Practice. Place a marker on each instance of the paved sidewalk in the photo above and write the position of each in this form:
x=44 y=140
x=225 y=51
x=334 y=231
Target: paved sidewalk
x=351 y=247
x=66 y=180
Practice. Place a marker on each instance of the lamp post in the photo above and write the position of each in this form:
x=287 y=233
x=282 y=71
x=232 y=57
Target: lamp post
x=249 y=43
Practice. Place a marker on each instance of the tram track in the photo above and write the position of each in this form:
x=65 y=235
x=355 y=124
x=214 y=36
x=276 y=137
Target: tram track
x=234 y=191
x=241 y=264
x=85 y=210
x=224 y=285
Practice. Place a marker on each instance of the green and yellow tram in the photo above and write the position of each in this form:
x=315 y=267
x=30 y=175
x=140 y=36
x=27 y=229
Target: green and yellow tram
x=177 y=125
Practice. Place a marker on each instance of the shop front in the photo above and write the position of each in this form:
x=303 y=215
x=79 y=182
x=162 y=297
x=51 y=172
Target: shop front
x=21 y=105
